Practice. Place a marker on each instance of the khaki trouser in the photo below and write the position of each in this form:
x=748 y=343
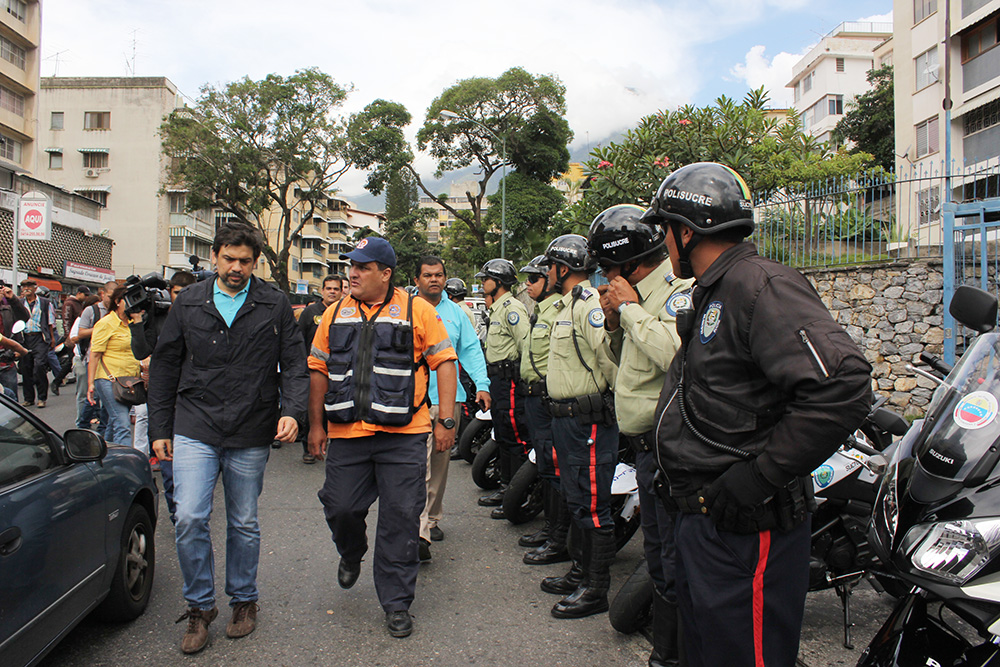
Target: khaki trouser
x=437 y=479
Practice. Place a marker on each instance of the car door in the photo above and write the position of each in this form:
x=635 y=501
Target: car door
x=52 y=541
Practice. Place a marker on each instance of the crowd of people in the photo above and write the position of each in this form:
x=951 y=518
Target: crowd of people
x=661 y=331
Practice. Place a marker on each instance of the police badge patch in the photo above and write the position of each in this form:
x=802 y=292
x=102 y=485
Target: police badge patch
x=317 y=319
x=513 y=318
x=710 y=321
x=596 y=318
x=678 y=302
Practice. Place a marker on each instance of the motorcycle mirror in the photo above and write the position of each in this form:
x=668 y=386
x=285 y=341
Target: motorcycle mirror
x=890 y=422
x=877 y=464
x=17 y=328
x=974 y=308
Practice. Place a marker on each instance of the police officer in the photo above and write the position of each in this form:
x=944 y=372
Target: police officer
x=550 y=541
x=640 y=305
x=456 y=291
x=580 y=381
x=369 y=365
x=506 y=339
x=765 y=388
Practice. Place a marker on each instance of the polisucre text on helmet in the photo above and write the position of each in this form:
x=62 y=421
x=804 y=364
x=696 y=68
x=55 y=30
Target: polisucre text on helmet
x=692 y=197
x=614 y=244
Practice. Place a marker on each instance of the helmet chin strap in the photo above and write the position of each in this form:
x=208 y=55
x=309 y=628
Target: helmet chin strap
x=684 y=251
x=493 y=294
x=557 y=285
x=628 y=268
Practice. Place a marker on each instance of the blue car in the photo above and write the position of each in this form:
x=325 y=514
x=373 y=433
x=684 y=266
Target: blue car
x=77 y=523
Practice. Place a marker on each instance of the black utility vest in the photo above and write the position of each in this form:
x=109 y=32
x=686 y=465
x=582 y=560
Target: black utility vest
x=371 y=369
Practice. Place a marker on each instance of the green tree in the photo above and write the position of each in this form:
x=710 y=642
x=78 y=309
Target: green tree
x=253 y=148
x=519 y=111
x=531 y=207
x=406 y=225
x=870 y=121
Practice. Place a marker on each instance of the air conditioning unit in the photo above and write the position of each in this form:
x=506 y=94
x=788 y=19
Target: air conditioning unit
x=91 y=173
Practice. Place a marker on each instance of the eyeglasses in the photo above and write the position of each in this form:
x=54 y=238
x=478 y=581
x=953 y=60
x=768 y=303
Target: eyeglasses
x=534 y=278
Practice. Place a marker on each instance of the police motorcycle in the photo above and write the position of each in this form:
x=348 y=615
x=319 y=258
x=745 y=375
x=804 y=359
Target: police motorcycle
x=844 y=488
x=936 y=524
x=476 y=433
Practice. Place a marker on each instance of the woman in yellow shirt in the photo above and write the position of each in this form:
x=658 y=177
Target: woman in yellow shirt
x=111 y=357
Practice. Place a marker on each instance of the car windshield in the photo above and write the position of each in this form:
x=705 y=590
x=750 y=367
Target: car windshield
x=962 y=416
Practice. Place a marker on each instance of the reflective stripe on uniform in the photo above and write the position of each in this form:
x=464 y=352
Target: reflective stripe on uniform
x=439 y=347
x=389 y=409
x=400 y=372
x=341 y=377
x=338 y=406
x=319 y=354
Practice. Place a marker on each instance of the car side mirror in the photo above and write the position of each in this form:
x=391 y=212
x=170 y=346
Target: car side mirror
x=974 y=308
x=83 y=446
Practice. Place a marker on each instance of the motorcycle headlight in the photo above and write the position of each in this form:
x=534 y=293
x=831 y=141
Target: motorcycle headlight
x=952 y=551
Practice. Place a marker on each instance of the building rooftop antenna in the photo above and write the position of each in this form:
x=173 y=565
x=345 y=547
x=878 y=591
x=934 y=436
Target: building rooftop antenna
x=55 y=56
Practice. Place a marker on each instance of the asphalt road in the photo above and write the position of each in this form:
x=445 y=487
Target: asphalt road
x=476 y=603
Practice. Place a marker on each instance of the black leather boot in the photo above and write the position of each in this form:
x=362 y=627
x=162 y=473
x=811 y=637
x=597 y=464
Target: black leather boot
x=666 y=634
x=557 y=524
x=579 y=551
x=591 y=597
x=540 y=537
x=494 y=499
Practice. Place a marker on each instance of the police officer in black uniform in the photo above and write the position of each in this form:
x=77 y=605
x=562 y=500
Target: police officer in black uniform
x=765 y=388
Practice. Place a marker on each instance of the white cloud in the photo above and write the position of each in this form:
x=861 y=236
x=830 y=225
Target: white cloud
x=877 y=18
x=772 y=73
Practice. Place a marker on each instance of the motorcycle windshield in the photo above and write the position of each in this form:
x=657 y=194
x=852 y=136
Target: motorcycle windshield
x=962 y=416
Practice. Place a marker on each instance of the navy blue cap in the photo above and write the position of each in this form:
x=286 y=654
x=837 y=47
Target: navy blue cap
x=372 y=249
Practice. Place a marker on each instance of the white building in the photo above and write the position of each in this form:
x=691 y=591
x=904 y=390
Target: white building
x=833 y=73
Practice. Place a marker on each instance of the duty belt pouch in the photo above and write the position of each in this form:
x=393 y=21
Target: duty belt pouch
x=783 y=512
x=590 y=409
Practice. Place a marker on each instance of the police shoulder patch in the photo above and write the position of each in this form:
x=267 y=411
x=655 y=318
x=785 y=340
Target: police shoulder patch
x=513 y=318
x=596 y=318
x=587 y=293
x=710 y=321
x=394 y=311
x=678 y=302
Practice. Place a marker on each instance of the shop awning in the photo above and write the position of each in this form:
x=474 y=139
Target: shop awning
x=53 y=285
x=53 y=150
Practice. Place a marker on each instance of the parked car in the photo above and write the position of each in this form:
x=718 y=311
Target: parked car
x=77 y=523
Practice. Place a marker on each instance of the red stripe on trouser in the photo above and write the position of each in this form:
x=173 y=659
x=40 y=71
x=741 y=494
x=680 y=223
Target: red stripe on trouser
x=555 y=460
x=593 y=476
x=758 y=598
x=513 y=423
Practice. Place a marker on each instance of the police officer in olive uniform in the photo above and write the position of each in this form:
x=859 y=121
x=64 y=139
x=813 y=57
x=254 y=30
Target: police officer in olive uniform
x=766 y=387
x=580 y=383
x=550 y=541
x=506 y=340
x=641 y=304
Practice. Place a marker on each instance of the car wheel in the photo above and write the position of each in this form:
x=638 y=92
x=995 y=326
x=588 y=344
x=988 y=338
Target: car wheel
x=133 y=579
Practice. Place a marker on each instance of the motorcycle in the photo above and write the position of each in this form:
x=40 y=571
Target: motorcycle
x=844 y=488
x=936 y=525
x=476 y=433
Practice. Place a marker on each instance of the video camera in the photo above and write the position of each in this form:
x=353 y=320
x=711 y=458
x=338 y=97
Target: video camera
x=148 y=293
x=199 y=273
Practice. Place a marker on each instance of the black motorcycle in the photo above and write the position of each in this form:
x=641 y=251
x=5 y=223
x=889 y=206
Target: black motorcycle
x=936 y=525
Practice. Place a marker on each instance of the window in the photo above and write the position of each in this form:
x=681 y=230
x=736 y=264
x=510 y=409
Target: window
x=922 y=9
x=95 y=160
x=11 y=101
x=57 y=120
x=11 y=52
x=927 y=137
x=97 y=120
x=178 y=201
x=798 y=94
x=100 y=197
x=929 y=205
x=24 y=450
x=885 y=60
x=840 y=64
x=17 y=8
x=176 y=244
x=55 y=159
x=926 y=68
x=10 y=149
x=984 y=117
x=807 y=83
x=319 y=271
x=982 y=38
x=222 y=217
x=835 y=104
x=295 y=264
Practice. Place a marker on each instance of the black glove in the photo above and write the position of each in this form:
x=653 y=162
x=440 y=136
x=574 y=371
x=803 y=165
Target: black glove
x=737 y=494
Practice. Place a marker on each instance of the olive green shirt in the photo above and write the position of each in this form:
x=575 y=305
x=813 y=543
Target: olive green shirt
x=568 y=376
x=644 y=345
x=507 y=335
x=537 y=354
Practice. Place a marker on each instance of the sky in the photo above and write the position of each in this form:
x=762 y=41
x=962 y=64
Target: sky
x=619 y=59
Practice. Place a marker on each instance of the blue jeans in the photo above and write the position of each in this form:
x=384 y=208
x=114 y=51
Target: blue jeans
x=119 y=425
x=84 y=410
x=196 y=470
x=8 y=379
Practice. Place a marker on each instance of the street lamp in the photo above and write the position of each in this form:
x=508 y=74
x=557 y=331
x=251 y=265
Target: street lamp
x=451 y=115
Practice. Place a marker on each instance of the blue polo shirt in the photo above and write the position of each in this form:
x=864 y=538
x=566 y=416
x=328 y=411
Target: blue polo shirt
x=466 y=343
x=227 y=305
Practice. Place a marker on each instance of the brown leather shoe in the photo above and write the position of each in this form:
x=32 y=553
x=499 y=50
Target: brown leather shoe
x=244 y=619
x=197 y=631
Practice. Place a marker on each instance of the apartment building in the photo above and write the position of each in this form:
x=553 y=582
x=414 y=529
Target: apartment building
x=443 y=218
x=99 y=137
x=20 y=29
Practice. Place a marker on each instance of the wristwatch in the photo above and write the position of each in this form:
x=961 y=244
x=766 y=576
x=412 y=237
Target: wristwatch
x=448 y=422
x=623 y=304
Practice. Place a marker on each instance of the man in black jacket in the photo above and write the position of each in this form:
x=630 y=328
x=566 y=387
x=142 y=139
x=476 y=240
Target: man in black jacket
x=765 y=387
x=11 y=310
x=308 y=321
x=213 y=408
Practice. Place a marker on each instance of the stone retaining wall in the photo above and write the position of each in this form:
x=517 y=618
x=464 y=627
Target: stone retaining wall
x=893 y=312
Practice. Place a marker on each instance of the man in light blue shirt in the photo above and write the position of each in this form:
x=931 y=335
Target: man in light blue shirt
x=228 y=304
x=430 y=282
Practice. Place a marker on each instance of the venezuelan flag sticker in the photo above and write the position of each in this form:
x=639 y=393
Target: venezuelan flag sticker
x=976 y=410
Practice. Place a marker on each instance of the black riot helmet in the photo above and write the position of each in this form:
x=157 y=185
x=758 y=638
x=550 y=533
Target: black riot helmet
x=500 y=270
x=705 y=196
x=539 y=266
x=618 y=237
x=455 y=288
x=571 y=251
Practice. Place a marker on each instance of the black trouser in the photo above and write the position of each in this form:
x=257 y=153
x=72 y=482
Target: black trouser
x=540 y=426
x=35 y=367
x=741 y=597
x=511 y=432
x=657 y=528
x=389 y=467
x=587 y=456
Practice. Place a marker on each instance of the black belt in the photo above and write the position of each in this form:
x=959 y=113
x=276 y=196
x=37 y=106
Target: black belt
x=507 y=369
x=644 y=442
x=536 y=388
x=693 y=504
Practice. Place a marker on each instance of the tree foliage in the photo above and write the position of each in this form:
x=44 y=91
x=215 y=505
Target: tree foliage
x=406 y=225
x=253 y=148
x=870 y=121
x=516 y=119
